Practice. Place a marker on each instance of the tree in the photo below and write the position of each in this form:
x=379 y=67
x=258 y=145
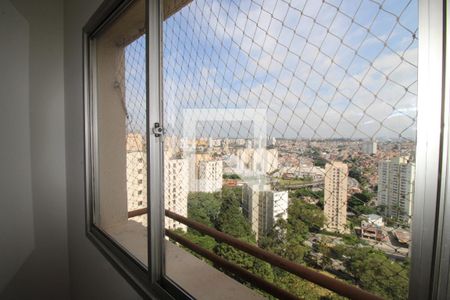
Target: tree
x=358 y=203
x=356 y=173
x=305 y=192
x=263 y=270
x=320 y=162
x=203 y=241
x=231 y=176
x=223 y=211
x=287 y=237
x=360 y=198
x=307 y=213
x=302 y=288
x=204 y=207
x=231 y=221
x=375 y=272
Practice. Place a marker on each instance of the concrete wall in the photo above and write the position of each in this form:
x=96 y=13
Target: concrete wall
x=112 y=131
x=15 y=169
x=33 y=219
x=91 y=275
x=42 y=229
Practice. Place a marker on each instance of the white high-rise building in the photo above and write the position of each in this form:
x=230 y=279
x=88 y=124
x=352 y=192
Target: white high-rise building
x=396 y=179
x=369 y=147
x=226 y=145
x=136 y=180
x=136 y=159
x=264 y=207
x=272 y=141
x=210 y=176
x=335 y=202
x=205 y=173
x=257 y=161
x=250 y=201
x=249 y=144
x=273 y=206
x=176 y=190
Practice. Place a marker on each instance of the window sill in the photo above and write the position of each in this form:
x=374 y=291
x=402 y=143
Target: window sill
x=200 y=279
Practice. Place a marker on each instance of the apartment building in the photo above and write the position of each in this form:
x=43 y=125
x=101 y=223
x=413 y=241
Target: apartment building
x=396 y=178
x=370 y=147
x=176 y=190
x=136 y=173
x=210 y=175
x=335 y=207
x=263 y=207
x=205 y=173
x=257 y=161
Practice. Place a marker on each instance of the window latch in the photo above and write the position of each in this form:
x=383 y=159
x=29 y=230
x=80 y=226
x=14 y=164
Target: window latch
x=157 y=130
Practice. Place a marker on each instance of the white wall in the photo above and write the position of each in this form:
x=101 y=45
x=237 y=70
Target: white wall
x=91 y=275
x=15 y=168
x=33 y=216
x=42 y=214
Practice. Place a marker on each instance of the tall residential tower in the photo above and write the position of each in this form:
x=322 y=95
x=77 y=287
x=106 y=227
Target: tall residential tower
x=176 y=190
x=264 y=207
x=335 y=207
x=396 y=187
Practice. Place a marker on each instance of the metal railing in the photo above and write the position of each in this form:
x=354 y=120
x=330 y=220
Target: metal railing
x=332 y=284
x=231 y=267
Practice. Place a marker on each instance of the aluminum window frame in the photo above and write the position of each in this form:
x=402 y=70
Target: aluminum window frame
x=429 y=149
x=441 y=267
x=147 y=281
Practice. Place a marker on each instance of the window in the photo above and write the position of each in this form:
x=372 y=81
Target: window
x=119 y=120
x=247 y=145
x=323 y=79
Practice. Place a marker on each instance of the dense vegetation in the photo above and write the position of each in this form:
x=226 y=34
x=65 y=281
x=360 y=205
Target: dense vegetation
x=364 y=266
x=231 y=176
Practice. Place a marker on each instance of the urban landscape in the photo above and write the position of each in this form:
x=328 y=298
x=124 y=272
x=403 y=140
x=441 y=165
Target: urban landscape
x=291 y=128
x=341 y=206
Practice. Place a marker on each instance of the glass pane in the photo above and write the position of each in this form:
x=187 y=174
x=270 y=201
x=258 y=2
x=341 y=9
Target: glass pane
x=291 y=126
x=121 y=113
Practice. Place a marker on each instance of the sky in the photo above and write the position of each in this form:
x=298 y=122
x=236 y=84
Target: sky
x=318 y=69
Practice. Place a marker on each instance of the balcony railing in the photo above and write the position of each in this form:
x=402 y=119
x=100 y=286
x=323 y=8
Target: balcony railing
x=332 y=284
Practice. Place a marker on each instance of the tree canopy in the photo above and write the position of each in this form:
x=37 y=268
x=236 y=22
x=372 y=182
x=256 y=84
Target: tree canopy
x=371 y=269
x=375 y=272
x=204 y=207
x=358 y=203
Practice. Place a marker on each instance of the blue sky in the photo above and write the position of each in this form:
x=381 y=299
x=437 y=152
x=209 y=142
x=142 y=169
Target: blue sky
x=320 y=69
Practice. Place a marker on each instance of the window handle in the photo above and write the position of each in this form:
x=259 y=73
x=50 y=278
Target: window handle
x=158 y=130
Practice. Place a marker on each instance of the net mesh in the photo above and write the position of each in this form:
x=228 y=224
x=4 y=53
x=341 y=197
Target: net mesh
x=131 y=77
x=291 y=125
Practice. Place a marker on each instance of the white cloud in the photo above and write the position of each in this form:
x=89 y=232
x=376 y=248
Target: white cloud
x=306 y=92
